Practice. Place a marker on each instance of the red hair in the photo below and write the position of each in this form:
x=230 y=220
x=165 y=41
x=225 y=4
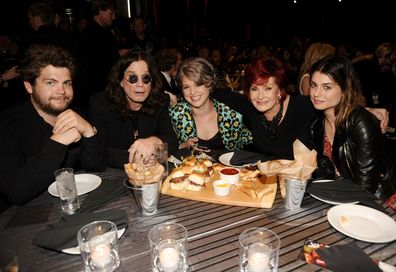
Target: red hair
x=260 y=71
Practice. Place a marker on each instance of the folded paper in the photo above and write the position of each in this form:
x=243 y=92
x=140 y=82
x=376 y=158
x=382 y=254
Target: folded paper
x=302 y=167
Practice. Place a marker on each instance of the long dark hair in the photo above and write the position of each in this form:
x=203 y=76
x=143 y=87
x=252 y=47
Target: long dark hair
x=116 y=94
x=341 y=70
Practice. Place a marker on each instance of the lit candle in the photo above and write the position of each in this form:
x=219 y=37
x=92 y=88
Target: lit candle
x=169 y=255
x=258 y=257
x=100 y=252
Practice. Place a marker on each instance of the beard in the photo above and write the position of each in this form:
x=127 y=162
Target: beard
x=51 y=108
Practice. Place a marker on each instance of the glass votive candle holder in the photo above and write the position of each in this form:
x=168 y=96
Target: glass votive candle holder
x=98 y=246
x=258 y=250
x=168 y=247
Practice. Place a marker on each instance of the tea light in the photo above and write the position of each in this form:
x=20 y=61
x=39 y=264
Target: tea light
x=169 y=255
x=258 y=257
x=100 y=252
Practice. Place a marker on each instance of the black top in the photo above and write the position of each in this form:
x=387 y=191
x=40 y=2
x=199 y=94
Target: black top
x=295 y=125
x=28 y=157
x=215 y=142
x=120 y=134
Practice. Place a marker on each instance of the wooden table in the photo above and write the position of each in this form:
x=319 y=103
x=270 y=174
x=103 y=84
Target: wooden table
x=213 y=233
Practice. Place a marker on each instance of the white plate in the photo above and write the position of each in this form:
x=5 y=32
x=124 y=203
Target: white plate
x=84 y=182
x=333 y=202
x=322 y=180
x=329 y=201
x=76 y=250
x=226 y=157
x=363 y=223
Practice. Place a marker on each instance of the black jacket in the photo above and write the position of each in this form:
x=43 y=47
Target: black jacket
x=359 y=151
x=28 y=157
x=119 y=133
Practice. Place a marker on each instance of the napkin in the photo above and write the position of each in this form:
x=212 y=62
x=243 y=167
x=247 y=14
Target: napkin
x=302 y=167
x=246 y=157
x=107 y=192
x=339 y=258
x=346 y=258
x=63 y=234
x=343 y=190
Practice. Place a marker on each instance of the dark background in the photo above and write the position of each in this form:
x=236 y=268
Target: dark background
x=273 y=22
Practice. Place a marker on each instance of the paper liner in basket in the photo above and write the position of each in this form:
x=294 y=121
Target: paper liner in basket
x=302 y=166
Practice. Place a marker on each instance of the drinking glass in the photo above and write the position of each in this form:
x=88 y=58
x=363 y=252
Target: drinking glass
x=161 y=156
x=67 y=190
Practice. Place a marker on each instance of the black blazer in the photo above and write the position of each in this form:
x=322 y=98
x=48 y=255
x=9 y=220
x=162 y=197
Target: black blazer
x=167 y=87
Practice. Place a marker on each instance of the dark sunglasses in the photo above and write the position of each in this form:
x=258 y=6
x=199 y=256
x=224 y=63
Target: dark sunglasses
x=146 y=79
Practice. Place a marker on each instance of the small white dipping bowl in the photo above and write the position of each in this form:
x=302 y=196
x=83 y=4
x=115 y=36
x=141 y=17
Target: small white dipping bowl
x=230 y=174
x=221 y=187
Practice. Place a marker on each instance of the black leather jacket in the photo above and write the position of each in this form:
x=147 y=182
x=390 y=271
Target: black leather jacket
x=359 y=151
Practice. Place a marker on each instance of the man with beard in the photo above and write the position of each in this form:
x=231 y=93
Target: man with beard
x=43 y=134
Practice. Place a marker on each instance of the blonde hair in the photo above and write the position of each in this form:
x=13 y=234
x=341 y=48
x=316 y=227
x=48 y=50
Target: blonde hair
x=315 y=52
x=383 y=49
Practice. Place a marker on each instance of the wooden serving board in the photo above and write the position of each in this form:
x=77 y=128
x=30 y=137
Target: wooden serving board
x=235 y=198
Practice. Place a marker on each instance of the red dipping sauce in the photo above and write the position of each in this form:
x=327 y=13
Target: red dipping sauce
x=229 y=171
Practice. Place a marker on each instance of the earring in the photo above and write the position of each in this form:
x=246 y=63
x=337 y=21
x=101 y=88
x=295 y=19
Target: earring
x=279 y=97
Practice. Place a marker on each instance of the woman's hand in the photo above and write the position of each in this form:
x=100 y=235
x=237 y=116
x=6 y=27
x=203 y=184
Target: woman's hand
x=190 y=144
x=172 y=98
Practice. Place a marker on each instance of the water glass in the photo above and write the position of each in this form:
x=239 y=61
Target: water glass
x=258 y=250
x=161 y=156
x=98 y=246
x=67 y=190
x=168 y=247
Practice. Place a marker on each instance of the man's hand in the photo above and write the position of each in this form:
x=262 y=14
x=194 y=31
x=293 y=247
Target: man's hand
x=68 y=137
x=70 y=119
x=142 y=149
x=382 y=115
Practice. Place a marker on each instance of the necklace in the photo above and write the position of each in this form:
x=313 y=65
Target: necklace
x=272 y=126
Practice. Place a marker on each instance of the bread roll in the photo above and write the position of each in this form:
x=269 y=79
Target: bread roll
x=207 y=163
x=187 y=169
x=194 y=187
x=180 y=186
x=177 y=173
x=200 y=168
x=197 y=178
x=190 y=160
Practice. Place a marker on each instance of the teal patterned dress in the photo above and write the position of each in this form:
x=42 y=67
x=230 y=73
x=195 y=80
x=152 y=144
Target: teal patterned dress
x=233 y=132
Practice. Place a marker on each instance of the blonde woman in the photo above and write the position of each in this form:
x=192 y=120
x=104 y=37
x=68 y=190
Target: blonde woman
x=315 y=52
x=198 y=119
